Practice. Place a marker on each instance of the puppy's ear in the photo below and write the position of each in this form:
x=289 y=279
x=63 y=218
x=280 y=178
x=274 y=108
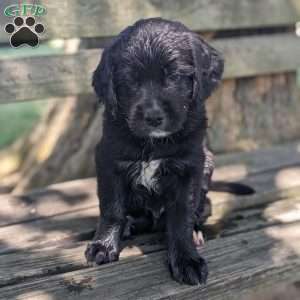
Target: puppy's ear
x=209 y=67
x=103 y=82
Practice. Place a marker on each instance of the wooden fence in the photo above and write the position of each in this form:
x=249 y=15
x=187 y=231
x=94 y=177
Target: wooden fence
x=261 y=51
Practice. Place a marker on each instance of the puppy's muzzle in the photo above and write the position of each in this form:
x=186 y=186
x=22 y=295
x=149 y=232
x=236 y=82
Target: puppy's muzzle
x=153 y=117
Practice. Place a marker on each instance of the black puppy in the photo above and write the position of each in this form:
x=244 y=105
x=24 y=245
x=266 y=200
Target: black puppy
x=152 y=161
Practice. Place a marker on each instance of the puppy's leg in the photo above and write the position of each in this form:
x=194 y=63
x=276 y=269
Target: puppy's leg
x=202 y=202
x=137 y=225
x=185 y=263
x=209 y=166
x=105 y=246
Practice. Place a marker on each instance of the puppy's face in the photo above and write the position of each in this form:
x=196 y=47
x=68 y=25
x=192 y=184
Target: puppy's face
x=155 y=75
x=154 y=97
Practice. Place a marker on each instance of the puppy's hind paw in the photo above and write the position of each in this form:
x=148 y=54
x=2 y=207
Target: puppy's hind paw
x=100 y=253
x=188 y=270
x=198 y=239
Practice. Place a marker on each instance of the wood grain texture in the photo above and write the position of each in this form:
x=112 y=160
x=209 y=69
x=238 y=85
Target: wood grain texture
x=34 y=263
x=49 y=231
x=271 y=165
x=63 y=75
x=25 y=245
x=95 y=18
x=237 y=165
x=237 y=263
x=53 y=200
x=70 y=210
x=254 y=112
x=72 y=226
x=28 y=264
x=253 y=241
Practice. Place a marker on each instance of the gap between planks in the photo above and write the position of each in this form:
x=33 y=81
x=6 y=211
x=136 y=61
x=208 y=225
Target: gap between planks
x=70 y=210
x=264 y=169
x=278 y=162
x=237 y=264
x=35 y=263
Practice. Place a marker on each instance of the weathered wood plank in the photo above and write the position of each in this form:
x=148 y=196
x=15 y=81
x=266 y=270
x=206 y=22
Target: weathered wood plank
x=280 y=291
x=71 y=215
x=235 y=166
x=78 y=194
x=54 y=200
x=260 y=111
x=62 y=75
x=35 y=263
x=282 y=211
x=47 y=77
x=48 y=231
x=246 y=56
x=24 y=265
x=94 y=18
x=36 y=225
x=72 y=226
x=51 y=230
x=224 y=204
x=237 y=264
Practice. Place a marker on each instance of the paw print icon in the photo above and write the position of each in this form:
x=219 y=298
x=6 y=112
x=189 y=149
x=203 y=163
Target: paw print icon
x=24 y=31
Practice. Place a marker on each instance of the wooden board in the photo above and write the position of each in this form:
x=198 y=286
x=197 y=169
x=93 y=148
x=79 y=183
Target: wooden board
x=238 y=165
x=70 y=210
x=63 y=75
x=25 y=244
x=254 y=112
x=252 y=241
x=75 y=195
x=237 y=264
x=94 y=18
x=40 y=262
x=74 y=225
x=54 y=200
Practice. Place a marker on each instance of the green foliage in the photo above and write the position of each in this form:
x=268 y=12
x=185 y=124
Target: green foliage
x=17 y=119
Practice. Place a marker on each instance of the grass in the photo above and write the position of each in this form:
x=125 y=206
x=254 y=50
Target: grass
x=17 y=119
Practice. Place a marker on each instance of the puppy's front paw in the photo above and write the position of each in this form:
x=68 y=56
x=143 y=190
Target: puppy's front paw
x=188 y=269
x=101 y=252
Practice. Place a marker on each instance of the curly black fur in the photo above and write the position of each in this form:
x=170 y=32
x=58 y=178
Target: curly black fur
x=152 y=161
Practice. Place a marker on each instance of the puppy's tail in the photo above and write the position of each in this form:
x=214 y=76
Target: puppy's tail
x=231 y=187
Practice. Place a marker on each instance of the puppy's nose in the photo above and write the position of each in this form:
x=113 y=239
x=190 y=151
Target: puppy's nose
x=154 y=117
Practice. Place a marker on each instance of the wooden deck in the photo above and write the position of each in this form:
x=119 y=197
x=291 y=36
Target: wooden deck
x=253 y=242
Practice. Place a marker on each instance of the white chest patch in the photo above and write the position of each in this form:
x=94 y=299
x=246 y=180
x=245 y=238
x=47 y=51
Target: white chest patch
x=148 y=170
